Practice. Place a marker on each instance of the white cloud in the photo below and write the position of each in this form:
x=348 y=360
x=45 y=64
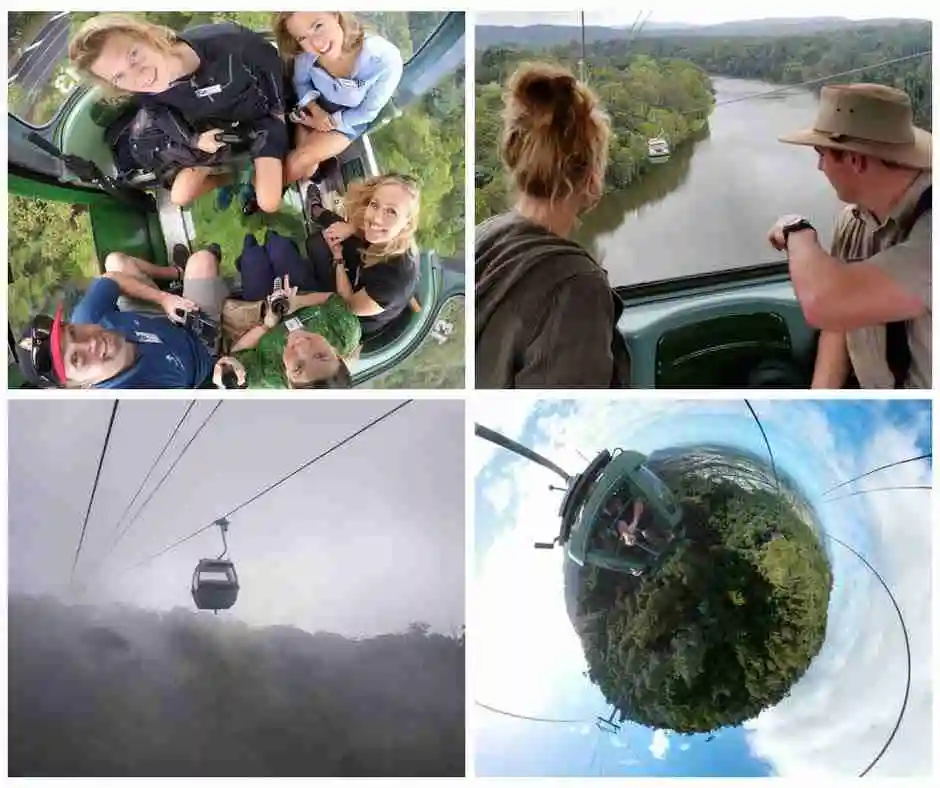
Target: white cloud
x=659 y=745
x=841 y=713
x=684 y=747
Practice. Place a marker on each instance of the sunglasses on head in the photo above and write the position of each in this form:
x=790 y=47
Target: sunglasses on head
x=37 y=344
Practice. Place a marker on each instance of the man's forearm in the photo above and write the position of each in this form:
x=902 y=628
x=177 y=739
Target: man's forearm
x=832 y=361
x=132 y=287
x=816 y=275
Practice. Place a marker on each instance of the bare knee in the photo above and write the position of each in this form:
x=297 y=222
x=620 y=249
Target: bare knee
x=117 y=262
x=180 y=197
x=268 y=201
x=202 y=265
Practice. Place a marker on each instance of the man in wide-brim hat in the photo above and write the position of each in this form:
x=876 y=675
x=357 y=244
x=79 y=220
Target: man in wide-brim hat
x=875 y=314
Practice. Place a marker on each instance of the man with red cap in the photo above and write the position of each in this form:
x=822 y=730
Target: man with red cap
x=870 y=295
x=104 y=347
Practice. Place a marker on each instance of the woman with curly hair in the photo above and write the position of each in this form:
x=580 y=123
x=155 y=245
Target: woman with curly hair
x=369 y=258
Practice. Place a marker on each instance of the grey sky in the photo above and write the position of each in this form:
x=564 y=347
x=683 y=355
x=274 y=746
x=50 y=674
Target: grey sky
x=365 y=541
x=707 y=13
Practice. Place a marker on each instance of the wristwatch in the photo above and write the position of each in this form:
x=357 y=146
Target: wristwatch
x=796 y=226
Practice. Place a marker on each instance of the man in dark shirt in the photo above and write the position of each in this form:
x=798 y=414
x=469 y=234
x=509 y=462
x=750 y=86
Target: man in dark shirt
x=103 y=347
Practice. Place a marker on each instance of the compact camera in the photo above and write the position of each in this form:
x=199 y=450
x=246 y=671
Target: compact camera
x=203 y=327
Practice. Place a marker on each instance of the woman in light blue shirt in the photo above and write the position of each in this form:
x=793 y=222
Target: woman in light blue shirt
x=343 y=78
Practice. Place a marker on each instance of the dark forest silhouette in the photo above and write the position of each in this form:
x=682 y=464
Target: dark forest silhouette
x=123 y=691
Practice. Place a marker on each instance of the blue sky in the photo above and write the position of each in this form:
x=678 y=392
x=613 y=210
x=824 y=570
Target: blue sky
x=528 y=660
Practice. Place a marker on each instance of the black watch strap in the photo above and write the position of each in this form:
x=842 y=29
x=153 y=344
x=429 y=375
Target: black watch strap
x=795 y=227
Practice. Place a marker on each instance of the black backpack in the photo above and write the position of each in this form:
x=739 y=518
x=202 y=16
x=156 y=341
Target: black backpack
x=898 y=350
x=152 y=144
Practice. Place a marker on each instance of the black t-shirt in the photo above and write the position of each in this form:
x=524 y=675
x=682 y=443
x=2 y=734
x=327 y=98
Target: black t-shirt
x=391 y=283
x=239 y=78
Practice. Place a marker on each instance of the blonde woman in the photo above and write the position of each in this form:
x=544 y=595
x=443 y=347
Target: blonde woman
x=342 y=76
x=369 y=258
x=545 y=313
x=215 y=77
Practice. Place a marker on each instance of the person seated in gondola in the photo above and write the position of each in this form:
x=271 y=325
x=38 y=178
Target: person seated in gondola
x=126 y=332
x=637 y=530
x=369 y=258
x=343 y=78
x=308 y=348
x=217 y=77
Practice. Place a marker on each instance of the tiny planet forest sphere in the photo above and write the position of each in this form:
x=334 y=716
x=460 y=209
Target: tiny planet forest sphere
x=727 y=606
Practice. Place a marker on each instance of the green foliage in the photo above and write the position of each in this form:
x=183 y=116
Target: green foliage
x=433 y=365
x=50 y=246
x=644 y=98
x=801 y=58
x=725 y=627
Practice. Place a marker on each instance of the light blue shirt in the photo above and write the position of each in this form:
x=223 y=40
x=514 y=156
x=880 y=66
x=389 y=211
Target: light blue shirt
x=374 y=77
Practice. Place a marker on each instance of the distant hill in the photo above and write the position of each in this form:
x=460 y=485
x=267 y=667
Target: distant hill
x=545 y=36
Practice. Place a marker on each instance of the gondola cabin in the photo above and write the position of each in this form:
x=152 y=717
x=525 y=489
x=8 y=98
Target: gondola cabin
x=625 y=516
x=215 y=584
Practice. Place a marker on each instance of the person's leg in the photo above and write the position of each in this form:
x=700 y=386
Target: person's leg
x=118 y=262
x=303 y=162
x=256 y=270
x=203 y=283
x=269 y=183
x=193 y=182
x=135 y=266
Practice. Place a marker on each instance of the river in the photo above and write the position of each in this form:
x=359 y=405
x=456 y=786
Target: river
x=708 y=208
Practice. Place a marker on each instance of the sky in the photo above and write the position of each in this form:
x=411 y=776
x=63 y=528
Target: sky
x=707 y=13
x=528 y=661
x=364 y=542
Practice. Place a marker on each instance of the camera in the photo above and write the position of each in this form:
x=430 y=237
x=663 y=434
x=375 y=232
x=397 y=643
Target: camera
x=279 y=302
x=203 y=327
x=300 y=108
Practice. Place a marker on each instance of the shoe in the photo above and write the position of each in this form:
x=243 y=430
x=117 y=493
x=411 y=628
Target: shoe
x=249 y=200
x=313 y=200
x=223 y=197
x=180 y=256
x=216 y=251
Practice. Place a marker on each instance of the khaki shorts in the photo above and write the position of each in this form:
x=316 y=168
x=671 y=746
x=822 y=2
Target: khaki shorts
x=209 y=294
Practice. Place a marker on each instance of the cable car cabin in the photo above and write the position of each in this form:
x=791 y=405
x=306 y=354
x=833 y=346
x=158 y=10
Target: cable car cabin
x=215 y=584
x=628 y=518
x=66 y=118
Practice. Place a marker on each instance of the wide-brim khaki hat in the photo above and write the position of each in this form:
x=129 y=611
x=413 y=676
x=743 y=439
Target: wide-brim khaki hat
x=874 y=120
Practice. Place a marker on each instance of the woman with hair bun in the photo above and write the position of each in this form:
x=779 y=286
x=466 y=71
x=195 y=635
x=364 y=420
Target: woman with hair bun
x=545 y=313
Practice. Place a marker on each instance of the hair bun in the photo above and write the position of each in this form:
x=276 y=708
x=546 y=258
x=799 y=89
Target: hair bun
x=543 y=90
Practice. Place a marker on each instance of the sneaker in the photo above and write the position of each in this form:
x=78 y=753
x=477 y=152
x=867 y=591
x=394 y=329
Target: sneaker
x=249 y=200
x=312 y=201
x=223 y=197
x=216 y=251
x=180 y=256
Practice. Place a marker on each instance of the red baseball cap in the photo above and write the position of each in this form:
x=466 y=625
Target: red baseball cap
x=55 y=348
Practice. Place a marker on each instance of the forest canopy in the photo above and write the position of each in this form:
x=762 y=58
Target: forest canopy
x=644 y=98
x=724 y=627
